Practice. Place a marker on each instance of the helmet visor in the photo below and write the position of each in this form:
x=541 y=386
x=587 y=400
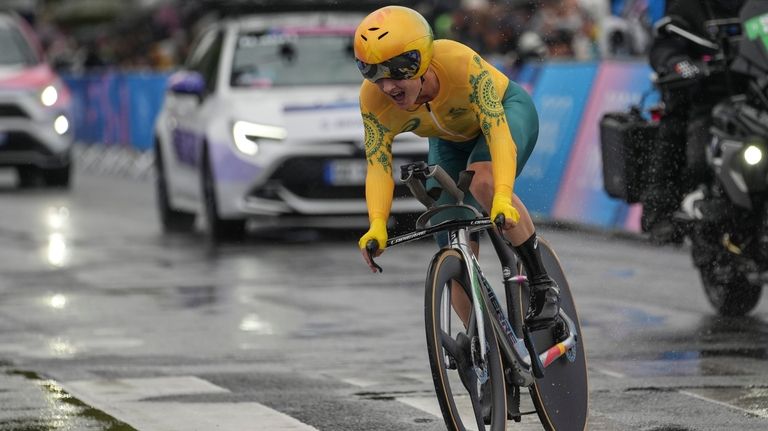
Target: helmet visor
x=403 y=66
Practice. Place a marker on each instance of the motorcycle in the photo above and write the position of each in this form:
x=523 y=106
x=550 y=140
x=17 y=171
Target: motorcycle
x=725 y=217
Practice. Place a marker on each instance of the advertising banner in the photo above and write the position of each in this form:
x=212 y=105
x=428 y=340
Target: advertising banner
x=580 y=197
x=145 y=98
x=116 y=108
x=560 y=94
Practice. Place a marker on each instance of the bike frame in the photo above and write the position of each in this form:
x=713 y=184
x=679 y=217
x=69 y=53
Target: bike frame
x=484 y=299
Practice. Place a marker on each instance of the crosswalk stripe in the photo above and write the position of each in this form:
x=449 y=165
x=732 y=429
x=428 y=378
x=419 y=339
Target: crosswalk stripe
x=122 y=399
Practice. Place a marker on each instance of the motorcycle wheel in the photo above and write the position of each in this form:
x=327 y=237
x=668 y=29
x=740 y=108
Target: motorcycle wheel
x=729 y=290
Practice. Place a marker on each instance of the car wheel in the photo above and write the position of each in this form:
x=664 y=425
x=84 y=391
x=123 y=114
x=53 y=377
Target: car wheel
x=218 y=228
x=57 y=177
x=29 y=176
x=171 y=220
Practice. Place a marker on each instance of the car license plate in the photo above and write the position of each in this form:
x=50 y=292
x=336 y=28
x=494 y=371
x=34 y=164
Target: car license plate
x=348 y=172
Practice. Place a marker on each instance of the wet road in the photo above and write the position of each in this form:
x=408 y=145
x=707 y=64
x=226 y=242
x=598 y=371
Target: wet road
x=107 y=324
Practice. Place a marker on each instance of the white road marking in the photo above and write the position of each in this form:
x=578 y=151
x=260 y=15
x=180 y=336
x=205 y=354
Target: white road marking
x=430 y=405
x=757 y=413
x=610 y=373
x=122 y=399
x=359 y=382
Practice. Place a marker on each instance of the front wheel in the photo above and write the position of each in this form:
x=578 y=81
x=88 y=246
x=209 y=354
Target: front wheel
x=451 y=348
x=729 y=290
x=57 y=177
x=218 y=229
x=726 y=285
x=171 y=219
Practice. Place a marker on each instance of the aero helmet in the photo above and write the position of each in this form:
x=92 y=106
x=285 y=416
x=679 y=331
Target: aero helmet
x=393 y=42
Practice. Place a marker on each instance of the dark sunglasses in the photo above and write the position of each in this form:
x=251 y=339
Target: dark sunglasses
x=403 y=66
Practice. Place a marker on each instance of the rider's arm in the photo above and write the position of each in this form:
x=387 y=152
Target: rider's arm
x=486 y=103
x=379 y=185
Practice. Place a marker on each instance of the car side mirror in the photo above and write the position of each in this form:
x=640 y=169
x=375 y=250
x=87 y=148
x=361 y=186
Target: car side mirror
x=187 y=82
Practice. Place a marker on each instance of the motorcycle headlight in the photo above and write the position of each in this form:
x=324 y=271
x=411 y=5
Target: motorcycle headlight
x=753 y=155
x=755 y=168
x=247 y=136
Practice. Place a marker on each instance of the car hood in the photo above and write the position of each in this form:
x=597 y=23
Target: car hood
x=326 y=113
x=24 y=77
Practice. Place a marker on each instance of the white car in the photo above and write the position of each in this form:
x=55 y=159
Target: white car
x=35 y=109
x=263 y=123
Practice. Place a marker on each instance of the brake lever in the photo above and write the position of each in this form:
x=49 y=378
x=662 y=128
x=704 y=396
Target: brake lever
x=370 y=247
x=499 y=222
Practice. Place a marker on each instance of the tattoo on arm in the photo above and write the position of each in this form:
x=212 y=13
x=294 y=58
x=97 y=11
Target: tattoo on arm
x=485 y=99
x=378 y=144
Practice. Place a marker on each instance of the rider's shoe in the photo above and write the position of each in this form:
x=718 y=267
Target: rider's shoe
x=544 y=305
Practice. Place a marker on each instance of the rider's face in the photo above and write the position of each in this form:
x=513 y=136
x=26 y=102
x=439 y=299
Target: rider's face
x=402 y=91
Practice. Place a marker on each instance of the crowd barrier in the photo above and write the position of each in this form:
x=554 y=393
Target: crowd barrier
x=561 y=181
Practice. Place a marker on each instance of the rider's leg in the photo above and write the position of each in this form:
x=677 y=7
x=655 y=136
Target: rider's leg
x=459 y=299
x=453 y=158
x=545 y=294
x=523 y=122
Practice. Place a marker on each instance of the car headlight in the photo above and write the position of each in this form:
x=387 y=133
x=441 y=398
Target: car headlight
x=753 y=155
x=61 y=125
x=49 y=96
x=247 y=135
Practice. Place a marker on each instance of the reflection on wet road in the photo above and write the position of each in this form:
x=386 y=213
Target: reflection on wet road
x=107 y=324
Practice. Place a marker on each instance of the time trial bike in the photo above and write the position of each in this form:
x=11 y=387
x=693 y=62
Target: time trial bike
x=481 y=364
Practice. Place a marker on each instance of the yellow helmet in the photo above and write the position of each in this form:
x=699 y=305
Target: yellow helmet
x=393 y=42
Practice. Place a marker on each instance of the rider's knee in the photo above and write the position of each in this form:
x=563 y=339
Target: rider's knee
x=482 y=187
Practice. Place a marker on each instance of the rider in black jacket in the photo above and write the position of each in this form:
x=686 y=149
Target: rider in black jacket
x=676 y=167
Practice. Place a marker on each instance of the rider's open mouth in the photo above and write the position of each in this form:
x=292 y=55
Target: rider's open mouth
x=398 y=97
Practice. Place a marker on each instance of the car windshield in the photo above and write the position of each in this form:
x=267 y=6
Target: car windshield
x=14 y=48
x=272 y=58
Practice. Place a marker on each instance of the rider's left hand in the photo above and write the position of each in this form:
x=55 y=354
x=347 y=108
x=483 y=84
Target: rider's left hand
x=503 y=205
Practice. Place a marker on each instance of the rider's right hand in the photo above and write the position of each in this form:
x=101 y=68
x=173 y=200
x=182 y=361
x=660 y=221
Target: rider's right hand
x=378 y=233
x=502 y=204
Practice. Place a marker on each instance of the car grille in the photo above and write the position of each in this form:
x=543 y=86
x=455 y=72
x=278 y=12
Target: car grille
x=305 y=177
x=20 y=141
x=10 y=110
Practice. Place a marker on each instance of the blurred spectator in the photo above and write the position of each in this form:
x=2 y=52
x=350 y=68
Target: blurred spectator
x=567 y=29
x=627 y=30
x=93 y=59
x=504 y=31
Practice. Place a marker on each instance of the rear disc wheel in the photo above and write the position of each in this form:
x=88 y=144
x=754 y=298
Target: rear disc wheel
x=561 y=397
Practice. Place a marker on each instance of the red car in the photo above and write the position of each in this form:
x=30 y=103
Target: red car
x=35 y=109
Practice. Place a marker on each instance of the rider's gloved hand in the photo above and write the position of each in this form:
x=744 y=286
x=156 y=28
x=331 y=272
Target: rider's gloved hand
x=377 y=232
x=502 y=204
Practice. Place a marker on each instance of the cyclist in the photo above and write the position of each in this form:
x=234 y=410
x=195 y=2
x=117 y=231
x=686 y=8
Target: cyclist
x=475 y=118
